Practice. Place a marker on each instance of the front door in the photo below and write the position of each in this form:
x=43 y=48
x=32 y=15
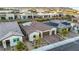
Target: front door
x=8 y=43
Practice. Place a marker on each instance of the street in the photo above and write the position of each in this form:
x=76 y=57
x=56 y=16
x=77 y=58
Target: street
x=74 y=46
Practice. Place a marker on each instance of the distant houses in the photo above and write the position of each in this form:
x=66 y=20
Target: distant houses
x=9 y=15
x=20 y=14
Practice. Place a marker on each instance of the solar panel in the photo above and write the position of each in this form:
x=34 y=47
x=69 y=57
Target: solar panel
x=65 y=23
x=52 y=24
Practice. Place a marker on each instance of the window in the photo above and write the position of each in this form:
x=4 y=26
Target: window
x=10 y=18
x=24 y=17
x=3 y=18
x=15 y=40
x=29 y=16
x=34 y=36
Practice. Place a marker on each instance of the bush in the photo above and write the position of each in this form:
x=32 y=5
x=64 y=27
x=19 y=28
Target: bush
x=35 y=46
x=0 y=42
x=22 y=21
x=63 y=32
x=41 y=20
x=20 y=46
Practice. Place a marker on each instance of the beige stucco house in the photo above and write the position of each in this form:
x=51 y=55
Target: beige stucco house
x=33 y=29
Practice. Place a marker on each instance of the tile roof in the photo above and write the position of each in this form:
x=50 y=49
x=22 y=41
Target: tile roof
x=36 y=26
x=7 y=27
x=59 y=23
x=11 y=34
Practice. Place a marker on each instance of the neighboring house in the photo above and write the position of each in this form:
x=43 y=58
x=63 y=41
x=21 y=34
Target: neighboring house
x=10 y=34
x=23 y=15
x=76 y=19
x=76 y=28
x=31 y=13
x=36 y=29
x=60 y=24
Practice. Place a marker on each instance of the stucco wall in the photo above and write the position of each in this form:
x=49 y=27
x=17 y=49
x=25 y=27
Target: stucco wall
x=31 y=38
x=11 y=40
x=9 y=15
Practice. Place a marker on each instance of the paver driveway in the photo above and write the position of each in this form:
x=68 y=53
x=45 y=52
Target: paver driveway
x=51 y=39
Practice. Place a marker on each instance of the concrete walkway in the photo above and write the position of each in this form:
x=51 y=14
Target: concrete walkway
x=29 y=45
x=1 y=48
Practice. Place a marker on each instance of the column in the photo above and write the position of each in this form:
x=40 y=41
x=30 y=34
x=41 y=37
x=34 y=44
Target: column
x=41 y=34
x=32 y=17
x=13 y=17
x=50 y=32
x=4 y=44
x=50 y=16
x=42 y=16
x=55 y=31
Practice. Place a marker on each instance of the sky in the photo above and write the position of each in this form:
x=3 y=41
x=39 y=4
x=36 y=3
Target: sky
x=77 y=8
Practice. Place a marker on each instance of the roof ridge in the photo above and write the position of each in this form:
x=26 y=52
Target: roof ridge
x=9 y=34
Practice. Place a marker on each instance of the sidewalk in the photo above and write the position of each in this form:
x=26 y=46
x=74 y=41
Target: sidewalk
x=29 y=45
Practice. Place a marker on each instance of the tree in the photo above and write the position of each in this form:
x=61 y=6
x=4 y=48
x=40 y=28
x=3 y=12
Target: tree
x=20 y=46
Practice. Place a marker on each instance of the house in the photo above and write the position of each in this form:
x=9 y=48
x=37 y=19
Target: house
x=37 y=29
x=76 y=19
x=10 y=34
x=60 y=24
x=76 y=28
x=4 y=14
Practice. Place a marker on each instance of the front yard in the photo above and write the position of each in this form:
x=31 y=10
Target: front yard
x=35 y=44
x=65 y=34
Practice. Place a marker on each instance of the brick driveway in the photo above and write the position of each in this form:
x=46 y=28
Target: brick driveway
x=51 y=39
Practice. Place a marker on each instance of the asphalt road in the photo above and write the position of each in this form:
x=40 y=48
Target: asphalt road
x=74 y=46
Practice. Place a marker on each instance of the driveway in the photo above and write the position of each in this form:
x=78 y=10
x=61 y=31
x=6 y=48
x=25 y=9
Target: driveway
x=72 y=34
x=1 y=48
x=51 y=39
